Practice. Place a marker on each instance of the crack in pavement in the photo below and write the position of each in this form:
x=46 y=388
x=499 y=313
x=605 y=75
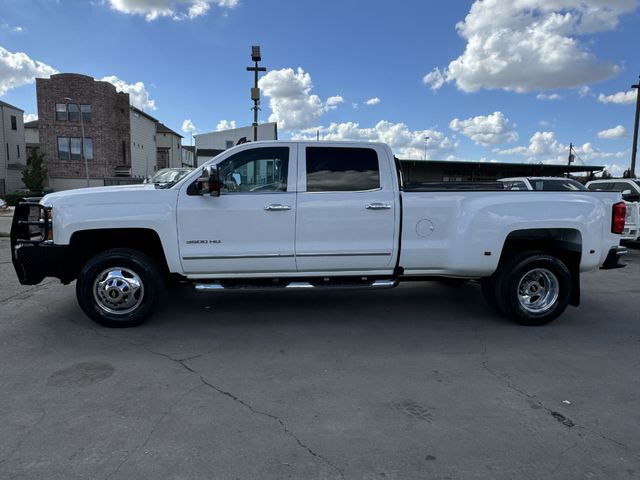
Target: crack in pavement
x=152 y=431
x=277 y=419
x=557 y=415
x=28 y=290
x=203 y=380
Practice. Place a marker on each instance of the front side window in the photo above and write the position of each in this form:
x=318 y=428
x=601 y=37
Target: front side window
x=259 y=170
x=63 y=148
x=14 y=122
x=61 y=112
x=332 y=169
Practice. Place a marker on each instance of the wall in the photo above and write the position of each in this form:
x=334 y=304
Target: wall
x=143 y=144
x=12 y=142
x=170 y=142
x=266 y=131
x=108 y=128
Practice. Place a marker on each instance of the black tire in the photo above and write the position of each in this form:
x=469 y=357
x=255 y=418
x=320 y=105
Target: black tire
x=132 y=286
x=532 y=288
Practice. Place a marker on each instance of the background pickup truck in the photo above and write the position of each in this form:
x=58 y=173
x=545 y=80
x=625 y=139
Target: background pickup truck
x=296 y=215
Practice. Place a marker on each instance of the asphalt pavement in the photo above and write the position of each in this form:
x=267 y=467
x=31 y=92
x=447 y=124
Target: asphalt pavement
x=420 y=382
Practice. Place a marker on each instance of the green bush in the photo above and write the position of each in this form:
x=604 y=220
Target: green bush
x=12 y=197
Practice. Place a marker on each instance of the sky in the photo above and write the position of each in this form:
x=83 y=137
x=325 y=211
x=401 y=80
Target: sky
x=484 y=80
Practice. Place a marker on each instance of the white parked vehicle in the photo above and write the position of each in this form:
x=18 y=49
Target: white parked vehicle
x=546 y=184
x=296 y=215
x=630 y=190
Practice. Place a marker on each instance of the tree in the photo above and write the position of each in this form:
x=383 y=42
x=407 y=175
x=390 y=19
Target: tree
x=626 y=173
x=35 y=174
x=605 y=174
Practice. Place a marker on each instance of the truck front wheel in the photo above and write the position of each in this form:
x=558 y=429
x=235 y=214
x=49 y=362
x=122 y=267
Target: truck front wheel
x=119 y=287
x=533 y=289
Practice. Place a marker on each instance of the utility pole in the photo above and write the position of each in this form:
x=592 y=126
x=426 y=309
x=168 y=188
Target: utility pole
x=634 y=148
x=570 y=159
x=255 y=91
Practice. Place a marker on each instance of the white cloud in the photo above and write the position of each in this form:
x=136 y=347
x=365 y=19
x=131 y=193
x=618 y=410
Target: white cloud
x=545 y=148
x=552 y=96
x=188 y=126
x=29 y=117
x=612 y=133
x=486 y=130
x=175 y=9
x=17 y=69
x=372 y=101
x=292 y=104
x=524 y=45
x=226 y=125
x=404 y=142
x=434 y=78
x=333 y=102
x=621 y=98
x=138 y=94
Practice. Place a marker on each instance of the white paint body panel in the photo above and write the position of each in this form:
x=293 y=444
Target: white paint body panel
x=442 y=233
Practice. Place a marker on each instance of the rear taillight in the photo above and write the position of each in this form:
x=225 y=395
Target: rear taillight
x=617 y=220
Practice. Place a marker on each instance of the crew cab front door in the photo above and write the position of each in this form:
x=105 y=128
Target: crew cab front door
x=250 y=227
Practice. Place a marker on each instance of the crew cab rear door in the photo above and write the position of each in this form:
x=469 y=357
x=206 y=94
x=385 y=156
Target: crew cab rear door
x=250 y=227
x=347 y=209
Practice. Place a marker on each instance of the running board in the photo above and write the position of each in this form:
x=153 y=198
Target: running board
x=218 y=287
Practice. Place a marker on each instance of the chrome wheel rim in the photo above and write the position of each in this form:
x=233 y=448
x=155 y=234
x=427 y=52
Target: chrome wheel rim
x=118 y=290
x=538 y=290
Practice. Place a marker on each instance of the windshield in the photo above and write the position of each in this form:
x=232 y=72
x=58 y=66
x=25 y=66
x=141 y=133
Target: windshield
x=169 y=175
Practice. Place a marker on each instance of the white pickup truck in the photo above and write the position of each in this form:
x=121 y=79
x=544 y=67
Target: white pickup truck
x=296 y=215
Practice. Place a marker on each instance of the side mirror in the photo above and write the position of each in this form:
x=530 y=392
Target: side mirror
x=209 y=182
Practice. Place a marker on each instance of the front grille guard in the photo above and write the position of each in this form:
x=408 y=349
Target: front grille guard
x=31 y=223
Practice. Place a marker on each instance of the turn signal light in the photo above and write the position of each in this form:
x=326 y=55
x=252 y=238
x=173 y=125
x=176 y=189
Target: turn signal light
x=617 y=219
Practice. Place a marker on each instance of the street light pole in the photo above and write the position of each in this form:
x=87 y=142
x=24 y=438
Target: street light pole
x=426 y=140
x=82 y=155
x=255 y=91
x=634 y=148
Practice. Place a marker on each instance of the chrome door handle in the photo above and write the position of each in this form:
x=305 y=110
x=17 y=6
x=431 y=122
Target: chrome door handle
x=277 y=207
x=378 y=206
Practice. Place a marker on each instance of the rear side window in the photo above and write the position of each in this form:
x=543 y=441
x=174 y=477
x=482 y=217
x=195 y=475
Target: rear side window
x=342 y=169
x=601 y=186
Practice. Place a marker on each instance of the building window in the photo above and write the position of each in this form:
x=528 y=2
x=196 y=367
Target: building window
x=61 y=112
x=86 y=113
x=63 y=148
x=75 y=148
x=124 y=152
x=88 y=148
x=7 y=153
x=229 y=143
x=14 y=122
x=18 y=149
x=74 y=112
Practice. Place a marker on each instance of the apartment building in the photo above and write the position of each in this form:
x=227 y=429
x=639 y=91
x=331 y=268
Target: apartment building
x=88 y=129
x=12 y=148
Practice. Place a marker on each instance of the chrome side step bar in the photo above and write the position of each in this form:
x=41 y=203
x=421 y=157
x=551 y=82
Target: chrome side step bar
x=218 y=287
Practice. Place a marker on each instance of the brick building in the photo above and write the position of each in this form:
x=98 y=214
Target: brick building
x=121 y=142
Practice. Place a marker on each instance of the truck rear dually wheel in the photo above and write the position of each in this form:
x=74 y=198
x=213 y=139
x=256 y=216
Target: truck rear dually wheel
x=533 y=288
x=119 y=287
